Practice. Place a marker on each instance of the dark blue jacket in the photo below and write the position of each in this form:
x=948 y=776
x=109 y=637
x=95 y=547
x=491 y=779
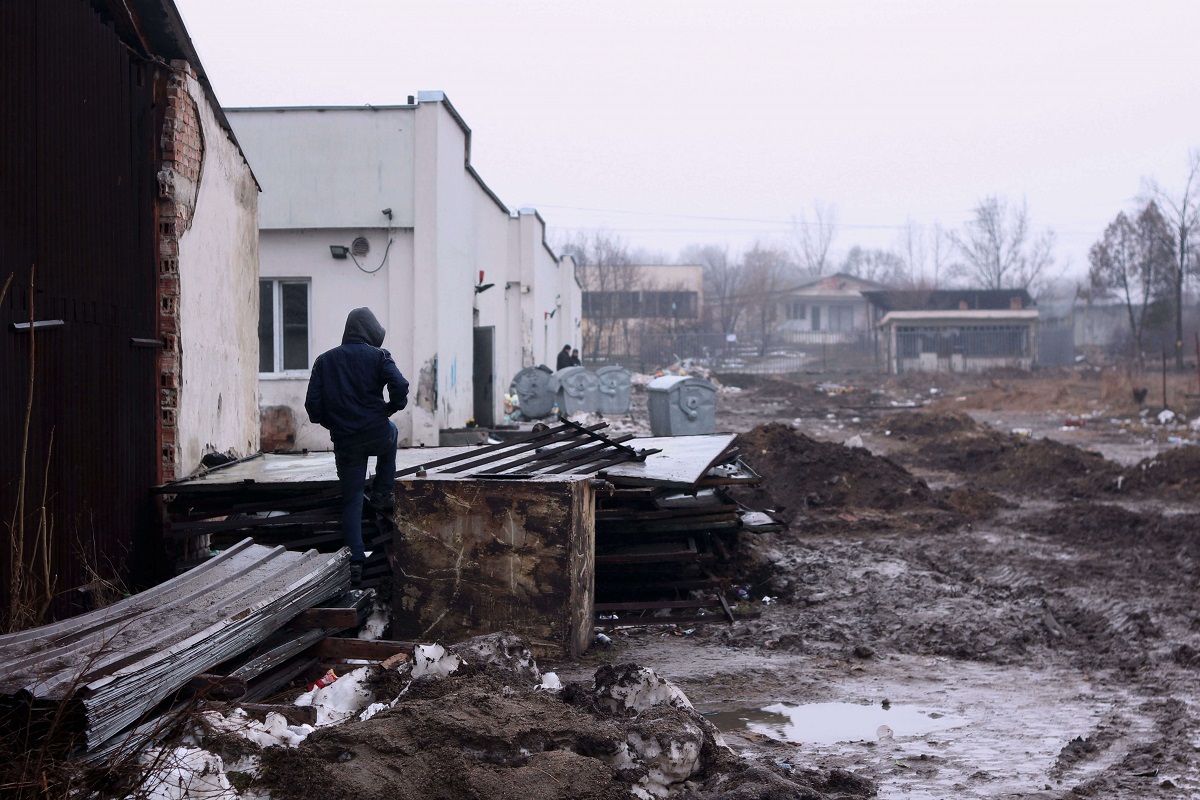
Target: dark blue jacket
x=345 y=392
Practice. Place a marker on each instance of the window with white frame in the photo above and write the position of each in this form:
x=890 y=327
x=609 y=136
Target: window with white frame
x=283 y=325
x=841 y=318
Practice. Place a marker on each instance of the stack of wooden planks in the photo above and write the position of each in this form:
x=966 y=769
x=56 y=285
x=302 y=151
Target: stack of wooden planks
x=664 y=530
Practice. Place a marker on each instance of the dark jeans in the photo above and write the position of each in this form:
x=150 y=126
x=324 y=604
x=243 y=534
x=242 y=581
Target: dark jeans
x=351 y=458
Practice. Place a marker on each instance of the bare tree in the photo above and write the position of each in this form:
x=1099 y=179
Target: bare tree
x=877 y=265
x=1132 y=259
x=609 y=280
x=1182 y=215
x=816 y=237
x=723 y=279
x=999 y=250
x=925 y=250
x=766 y=275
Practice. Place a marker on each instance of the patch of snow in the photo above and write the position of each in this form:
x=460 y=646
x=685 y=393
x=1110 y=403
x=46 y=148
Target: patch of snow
x=372 y=710
x=1165 y=416
x=855 y=441
x=432 y=659
x=550 y=682
x=271 y=732
x=343 y=698
x=505 y=650
x=184 y=773
x=640 y=689
x=376 y=623
x=667 y=761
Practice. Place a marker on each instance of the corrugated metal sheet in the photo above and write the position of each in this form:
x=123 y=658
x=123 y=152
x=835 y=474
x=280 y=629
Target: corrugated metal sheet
x=77 y=198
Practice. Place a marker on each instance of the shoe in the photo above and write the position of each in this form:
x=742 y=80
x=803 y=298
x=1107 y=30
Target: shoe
x=382 y=503
x=355 y=573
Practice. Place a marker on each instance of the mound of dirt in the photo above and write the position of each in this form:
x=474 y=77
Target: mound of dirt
x=802 y=473
x=1172 y=474
x=485 y=731
x=973 y=502
x=457 y=738
x=1020 y=464
x=927 y=424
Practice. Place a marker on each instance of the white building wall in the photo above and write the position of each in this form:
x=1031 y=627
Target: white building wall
x=553 y=289
x=332 y=167
x=218 y=302
x=448 y=227
x=336 y=287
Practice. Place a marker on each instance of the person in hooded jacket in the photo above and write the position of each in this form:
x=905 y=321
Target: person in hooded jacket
x=345 y=395
x=564 y=357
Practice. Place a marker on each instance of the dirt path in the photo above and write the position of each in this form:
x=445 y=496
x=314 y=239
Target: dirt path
x=1044 y=646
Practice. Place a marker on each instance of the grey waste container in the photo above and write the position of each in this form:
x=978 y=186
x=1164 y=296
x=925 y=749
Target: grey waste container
x=532 y=385
x=616 y=390
x=576 y=389
x=681 y=406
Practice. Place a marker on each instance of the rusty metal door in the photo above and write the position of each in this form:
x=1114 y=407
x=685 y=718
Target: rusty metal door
x=77 y=199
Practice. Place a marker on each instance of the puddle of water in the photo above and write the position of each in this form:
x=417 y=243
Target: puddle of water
x=830 y=723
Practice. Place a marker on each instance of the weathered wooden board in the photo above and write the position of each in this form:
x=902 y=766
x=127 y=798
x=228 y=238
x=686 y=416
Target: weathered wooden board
x=477 y=556
x=682 y=462
x=362 y=649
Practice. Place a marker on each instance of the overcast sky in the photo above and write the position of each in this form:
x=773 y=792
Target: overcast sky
x=673 y=123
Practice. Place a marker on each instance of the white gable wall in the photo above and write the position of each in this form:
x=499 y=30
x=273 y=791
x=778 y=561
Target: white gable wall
x=218 y=302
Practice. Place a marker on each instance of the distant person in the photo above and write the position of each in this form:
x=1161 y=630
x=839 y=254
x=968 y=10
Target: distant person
x=564 y=357
x=575 y=360
x=345 y=395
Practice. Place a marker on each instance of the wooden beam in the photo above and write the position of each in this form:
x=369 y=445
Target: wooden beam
x=327 y=618
x=215 y=687
x=333 y=647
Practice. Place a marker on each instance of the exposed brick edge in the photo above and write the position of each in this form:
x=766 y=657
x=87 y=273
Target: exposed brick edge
x=182 y=148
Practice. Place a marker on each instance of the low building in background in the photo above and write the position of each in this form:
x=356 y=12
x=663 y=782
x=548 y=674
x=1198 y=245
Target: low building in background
x=379 y=206
x=630 y=310
x=829 y=309
x=959 y=330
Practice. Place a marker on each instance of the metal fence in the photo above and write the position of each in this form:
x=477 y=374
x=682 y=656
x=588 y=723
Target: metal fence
x=775 y=354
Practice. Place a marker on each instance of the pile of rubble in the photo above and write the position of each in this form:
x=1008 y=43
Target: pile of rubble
x=472 y=720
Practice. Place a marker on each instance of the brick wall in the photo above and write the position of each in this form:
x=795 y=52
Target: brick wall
x=182 y=147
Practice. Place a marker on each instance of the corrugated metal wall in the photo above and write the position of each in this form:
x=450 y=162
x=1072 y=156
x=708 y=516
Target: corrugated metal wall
x=77 y=199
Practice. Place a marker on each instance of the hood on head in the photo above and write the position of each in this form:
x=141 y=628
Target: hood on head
x=362 y=326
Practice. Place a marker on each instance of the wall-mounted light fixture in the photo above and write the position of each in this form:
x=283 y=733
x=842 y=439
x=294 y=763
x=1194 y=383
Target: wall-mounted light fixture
x=481 y=286
x=339 y=250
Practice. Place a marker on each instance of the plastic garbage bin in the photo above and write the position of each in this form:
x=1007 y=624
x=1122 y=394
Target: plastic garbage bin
x=576 y=389
x=616 y=390
x=532 y=385
x=681 y=406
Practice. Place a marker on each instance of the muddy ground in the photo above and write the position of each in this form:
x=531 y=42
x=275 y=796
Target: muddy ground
x=994 y=597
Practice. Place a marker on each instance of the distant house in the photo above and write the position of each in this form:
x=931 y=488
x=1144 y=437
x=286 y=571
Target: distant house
x=380 y=206
x=954 y=330
x=832 y=307
x=624 y=304
x=130 y=235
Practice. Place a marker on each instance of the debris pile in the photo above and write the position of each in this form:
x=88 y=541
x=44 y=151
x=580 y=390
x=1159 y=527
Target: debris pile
x=479 y=719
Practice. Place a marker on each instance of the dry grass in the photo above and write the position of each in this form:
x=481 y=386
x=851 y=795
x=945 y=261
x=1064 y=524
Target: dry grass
x=1071 y=392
